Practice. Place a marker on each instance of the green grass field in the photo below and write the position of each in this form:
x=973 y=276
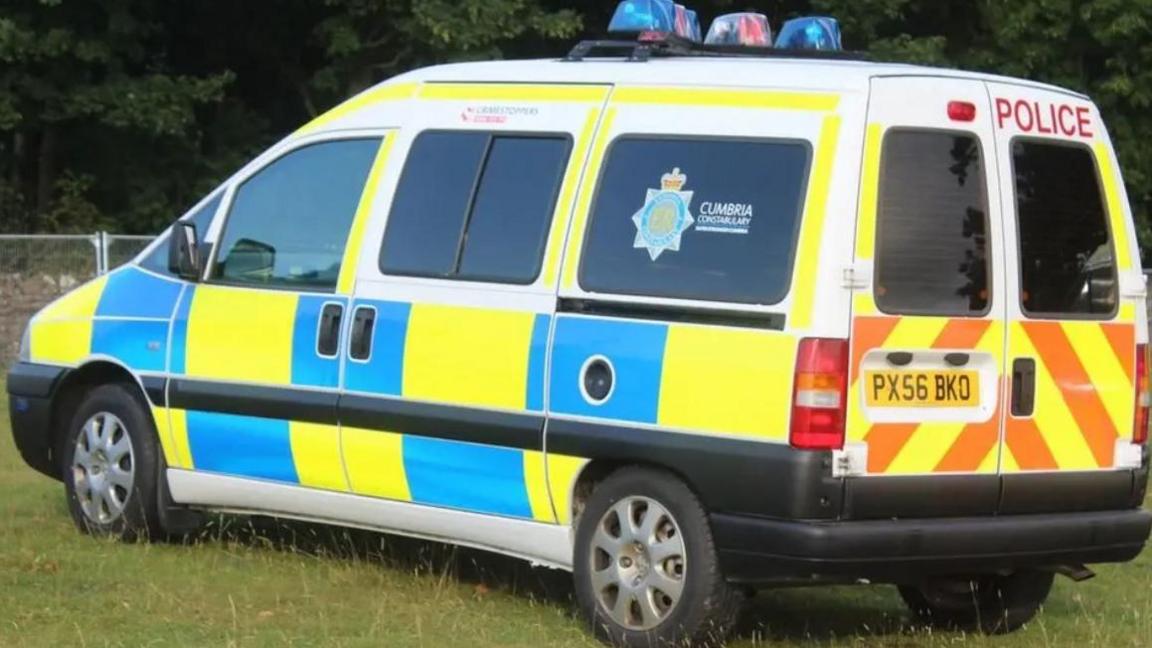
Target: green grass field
x=260 y=583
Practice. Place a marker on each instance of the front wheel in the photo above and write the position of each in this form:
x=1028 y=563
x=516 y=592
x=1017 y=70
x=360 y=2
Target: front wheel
x=996 y=604
x=646 y=568
x=111 y=466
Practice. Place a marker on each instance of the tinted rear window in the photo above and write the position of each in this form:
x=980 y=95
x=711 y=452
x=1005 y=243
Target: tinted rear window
x=704 y=219
x=932 y=225
x=475 y=206
x=1067 y=267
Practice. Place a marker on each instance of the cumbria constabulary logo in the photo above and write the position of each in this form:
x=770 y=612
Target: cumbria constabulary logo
x=664 y=217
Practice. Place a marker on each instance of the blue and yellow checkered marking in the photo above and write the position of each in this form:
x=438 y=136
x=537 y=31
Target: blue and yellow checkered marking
x=706 y=379
x=309 y=368
x=140 y=344
x=383 y=371
x=241 y=445
x=466 y=476
x=131 y=292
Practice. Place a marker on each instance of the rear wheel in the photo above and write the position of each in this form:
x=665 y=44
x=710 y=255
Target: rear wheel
x=992 y=604
x=111 y=465
x=645 y=566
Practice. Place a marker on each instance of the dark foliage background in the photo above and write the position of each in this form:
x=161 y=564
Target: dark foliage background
x=119 y=114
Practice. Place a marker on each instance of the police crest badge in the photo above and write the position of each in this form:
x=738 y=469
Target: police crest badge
x=665 y=216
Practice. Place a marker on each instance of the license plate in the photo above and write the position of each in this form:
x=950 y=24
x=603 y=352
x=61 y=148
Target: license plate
x=922 y=388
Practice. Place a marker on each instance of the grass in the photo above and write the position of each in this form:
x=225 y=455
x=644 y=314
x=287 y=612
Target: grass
x=263 y=583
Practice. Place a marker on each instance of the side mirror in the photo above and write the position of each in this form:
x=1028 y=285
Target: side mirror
x=184 y=253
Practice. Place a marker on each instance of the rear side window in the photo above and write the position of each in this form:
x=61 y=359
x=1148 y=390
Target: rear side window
x=1067 y=265
x=289 y=222
x=932 y=225
x=475 y=206
x=705 y=219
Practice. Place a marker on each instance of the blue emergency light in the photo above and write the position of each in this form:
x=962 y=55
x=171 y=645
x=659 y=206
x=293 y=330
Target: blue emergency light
x=810 y=33
x=636 y=16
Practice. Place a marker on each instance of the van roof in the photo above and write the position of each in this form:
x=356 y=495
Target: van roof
x=790 y=73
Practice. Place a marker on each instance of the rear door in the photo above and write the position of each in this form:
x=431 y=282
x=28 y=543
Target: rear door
x=1073 y=295
x=928 y=310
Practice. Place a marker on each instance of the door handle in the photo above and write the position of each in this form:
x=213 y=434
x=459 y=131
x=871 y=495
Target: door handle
x=1023 y=387
x=363 y=323
x=328 y=337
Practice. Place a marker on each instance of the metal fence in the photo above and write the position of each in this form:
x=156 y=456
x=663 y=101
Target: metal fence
x=35 y=269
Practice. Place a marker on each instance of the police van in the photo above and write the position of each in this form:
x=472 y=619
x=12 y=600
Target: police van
x=687 y=317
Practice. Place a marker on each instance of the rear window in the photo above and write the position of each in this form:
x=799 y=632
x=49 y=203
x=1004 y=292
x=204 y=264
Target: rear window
x=705 y=219
x=932 y=225
x=1067 y=266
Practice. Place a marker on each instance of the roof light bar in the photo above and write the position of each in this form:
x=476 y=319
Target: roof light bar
x=748 y=29
x=810 y=33
x=638 y=16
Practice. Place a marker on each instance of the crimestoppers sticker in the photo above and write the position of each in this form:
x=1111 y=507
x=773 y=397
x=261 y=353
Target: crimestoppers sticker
x=664 y=217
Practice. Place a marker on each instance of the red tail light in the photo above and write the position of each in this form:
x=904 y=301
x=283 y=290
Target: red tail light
x=1143 y=398
x=819 y=400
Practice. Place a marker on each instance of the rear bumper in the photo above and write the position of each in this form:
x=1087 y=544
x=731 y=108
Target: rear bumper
x=760 y=551
x=30 y=390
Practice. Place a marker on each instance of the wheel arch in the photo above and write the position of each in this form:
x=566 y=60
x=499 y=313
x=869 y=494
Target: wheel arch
x=70 y=391
x=596 y=471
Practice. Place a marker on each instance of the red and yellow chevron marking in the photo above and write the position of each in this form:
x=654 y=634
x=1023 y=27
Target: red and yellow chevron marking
x=1085 y=374
x=937 y=446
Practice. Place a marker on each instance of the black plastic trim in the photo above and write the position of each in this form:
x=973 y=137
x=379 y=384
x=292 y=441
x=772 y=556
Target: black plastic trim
x=761 y=551
x=506 y=429
x=154 y=387
x=31 y=419
x=33 y=380
x=937 y=496
x=1068 y=491
x=673 y=313
x=729 y=475
x=252 y=400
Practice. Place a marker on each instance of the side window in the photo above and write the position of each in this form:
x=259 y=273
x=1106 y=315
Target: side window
x=288 y=224
x=1066 y=261
x=475 y=206
x=157 y=259
x=932 y=225
x=706 y=219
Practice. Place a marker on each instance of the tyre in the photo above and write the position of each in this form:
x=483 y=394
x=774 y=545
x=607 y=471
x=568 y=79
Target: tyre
x=989 y=604
x=646 y=568
x=111 y=466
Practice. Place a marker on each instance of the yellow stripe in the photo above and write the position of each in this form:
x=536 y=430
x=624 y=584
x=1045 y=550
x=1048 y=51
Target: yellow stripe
x=1127 y=313
x=164 y=431
x=62 y=332
x=1053 y=418
x=241 y=334
x=316 y=453
x=1117 y=213
x=738 y=98
x=1111 y=383
x=563 y=215
x=468 y=356
x=864 y=304
x=392 y=92
x=536 y=482
x=869 y=193
x=587 y=188
x=727 y=380
x=375 y=463
x=924 y=450
x=360 y=223
x=562 y=474
x=915 y=333
x=178 y=422
x=511 y=92
x=812 y=233
x=1008 y=461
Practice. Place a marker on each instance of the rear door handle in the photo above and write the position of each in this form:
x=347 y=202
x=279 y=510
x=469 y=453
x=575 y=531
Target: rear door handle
x=363 y=324
x=1023 y=387
x=328 y=337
